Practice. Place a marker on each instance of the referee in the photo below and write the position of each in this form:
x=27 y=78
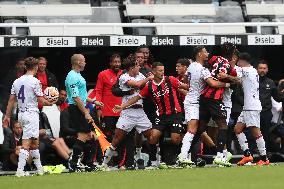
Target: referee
x=80 y=116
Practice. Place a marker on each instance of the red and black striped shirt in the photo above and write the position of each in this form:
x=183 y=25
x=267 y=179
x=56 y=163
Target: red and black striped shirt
x=164 y=95
x=219 y=64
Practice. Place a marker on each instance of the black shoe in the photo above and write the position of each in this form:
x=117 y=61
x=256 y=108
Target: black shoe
x=73 y=167
x=140 y=164
x=91 y=168
x=200 y=162
x=131 y=167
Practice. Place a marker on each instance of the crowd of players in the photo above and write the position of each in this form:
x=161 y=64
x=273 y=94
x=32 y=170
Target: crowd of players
x=142 y=97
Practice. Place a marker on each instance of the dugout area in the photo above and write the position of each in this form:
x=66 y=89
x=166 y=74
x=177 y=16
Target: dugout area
x=97 y=58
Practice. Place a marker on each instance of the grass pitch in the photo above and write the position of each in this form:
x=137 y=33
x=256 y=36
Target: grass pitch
x=266 y=177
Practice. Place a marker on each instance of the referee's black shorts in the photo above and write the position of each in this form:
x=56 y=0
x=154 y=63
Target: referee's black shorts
x=78 y=120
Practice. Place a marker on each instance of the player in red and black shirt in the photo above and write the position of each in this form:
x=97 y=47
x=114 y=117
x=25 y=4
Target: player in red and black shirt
x=211 y=104
x=163 y=91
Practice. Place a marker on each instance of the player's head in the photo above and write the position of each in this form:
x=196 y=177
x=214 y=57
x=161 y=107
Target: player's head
x=145 y=50
x=31 y=64
x=20 y=65
x=131 y=65
x=62 y=97
x=115 y=62
x=42 y=64
x=200 y=54
x=78 y=62
x=17 y=128
x=139 y=56
x=182 y=65
x=228 y=50
x=244 y=59
x=262 y=67
x=158 y=70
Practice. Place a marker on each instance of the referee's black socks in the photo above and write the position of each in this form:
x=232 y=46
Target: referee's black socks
x=78 y=149
x=221 y=139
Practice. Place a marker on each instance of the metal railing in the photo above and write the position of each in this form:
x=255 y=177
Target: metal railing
x=163 y=26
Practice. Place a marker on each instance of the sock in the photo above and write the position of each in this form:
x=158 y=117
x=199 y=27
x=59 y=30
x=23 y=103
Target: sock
x=153 y=152
x=225 y=153
x=219 y=155
x=243 y=141
x=78 y=149
x=36 y=158
x=23 y=157
x=89 y=152
x=186 y=144
x=261 y=145
x=138 y=152
x=221 y=140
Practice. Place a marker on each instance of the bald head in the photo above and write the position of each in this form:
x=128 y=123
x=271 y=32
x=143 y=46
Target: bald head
x=78 y=62
x=75 y=58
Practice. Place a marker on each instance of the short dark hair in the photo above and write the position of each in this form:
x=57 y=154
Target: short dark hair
x=197 y=50
x=262 y=62
x=228 y=50
x=129 y=62
x=115 y=55
x=184 y=61
x=142 y=47
x=156 y=64
x=31 y=63
x=245 y=56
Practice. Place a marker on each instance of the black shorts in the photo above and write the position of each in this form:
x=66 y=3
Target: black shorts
x=211 y=108
x=172 y=123
x=79 y=121
x=108 y=126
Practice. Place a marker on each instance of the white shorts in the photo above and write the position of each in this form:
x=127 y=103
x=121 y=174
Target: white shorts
x=191 y=111
x=130 y=118
x=250 y=118
x=30 y=123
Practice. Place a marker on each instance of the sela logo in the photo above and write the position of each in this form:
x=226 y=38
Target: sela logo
x=162 y=41
x=197 y=40
x=235 y=40
x=17 y=42
x=57 y=41
x=92 y=41
x=264 y=39
x=127 y=40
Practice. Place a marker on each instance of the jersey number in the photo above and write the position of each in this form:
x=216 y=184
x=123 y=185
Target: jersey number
x=21 y=94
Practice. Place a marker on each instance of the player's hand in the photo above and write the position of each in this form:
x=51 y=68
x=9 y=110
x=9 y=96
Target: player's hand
x=222 y=75
x=89 y=118
x=93 y=135
x=132 y=91
x=117 y=108
x=6 y=121
x=151 y=76
x=98 y=103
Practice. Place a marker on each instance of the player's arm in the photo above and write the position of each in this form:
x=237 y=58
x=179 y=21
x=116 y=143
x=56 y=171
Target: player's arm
x=233 y=79
x=45 y=102
x=133 y=100
x=183 y=86
x=183 y=92
x=95 y=102
x=216 y=84
x=82 y=108
x=139 y=84
x=11 y=102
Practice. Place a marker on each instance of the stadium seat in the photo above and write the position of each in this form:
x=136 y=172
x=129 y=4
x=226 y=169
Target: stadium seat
x=19 y=31
x=53 y=115
x=229 y=3
x=142 y=31
x=264 y=29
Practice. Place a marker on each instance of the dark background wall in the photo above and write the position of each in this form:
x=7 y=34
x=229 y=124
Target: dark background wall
x=98 y=58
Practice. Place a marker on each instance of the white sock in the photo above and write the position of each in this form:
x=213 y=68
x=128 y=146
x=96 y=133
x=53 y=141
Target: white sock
x=243 y=141
x=23 y=157
x=225 y=152
x=138 y=152
x=261 y=146
x=36 y=158
x=219 y=155
x=186 y=144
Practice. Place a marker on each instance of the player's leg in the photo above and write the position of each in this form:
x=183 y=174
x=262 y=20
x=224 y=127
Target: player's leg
x=192 y=118
x=23 y=157
x=34 y=151
x=154 y=140
x=242 y=140
x=253 y=121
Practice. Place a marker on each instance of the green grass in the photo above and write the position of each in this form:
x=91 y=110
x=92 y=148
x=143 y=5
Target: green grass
x=268 y=177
